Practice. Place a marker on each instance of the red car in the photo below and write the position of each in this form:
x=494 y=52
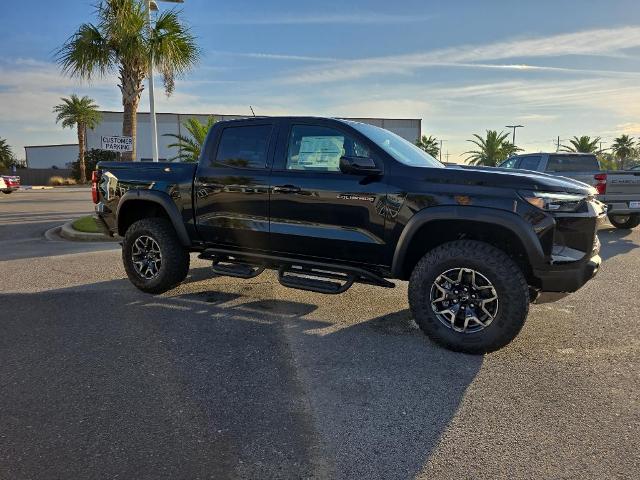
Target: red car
x=10 y=183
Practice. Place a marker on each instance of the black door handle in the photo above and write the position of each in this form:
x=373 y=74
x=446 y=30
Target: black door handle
x=285 y=189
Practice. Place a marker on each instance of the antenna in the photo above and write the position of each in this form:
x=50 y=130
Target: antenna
x=252 y=112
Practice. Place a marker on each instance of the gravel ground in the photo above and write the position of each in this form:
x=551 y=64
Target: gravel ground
x=223 y=378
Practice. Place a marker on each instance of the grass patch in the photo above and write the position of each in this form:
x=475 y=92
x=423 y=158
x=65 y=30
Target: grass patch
x=86 y=224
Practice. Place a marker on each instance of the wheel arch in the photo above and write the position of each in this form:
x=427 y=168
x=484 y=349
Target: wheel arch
x=437 y=225
x=138 y=204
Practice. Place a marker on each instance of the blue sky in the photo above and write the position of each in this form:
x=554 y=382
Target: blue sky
x=559 y=67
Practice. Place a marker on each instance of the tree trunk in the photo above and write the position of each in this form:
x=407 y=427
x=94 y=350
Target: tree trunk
x=129 y=128
x=81 y=148
x=131 y=86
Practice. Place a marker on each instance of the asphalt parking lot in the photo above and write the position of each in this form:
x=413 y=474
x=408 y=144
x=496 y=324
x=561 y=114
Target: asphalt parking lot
x=223 y=378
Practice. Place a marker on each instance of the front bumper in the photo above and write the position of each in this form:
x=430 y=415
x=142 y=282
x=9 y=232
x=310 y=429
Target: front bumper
x=574 y=258
x=568 y=277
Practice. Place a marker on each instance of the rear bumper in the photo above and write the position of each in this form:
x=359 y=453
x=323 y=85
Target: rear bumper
x=621 y=209
x=568 y=277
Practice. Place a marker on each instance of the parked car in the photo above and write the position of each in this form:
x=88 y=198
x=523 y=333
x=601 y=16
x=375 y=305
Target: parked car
x=328 y=203
x=618 y=189
x=9 y=183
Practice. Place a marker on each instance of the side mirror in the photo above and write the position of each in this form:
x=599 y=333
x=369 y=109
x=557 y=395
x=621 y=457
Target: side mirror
x=359 y=166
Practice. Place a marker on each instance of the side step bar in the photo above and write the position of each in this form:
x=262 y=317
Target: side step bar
x=230 y=267
x=308 y=275
x=240 y=270
x=308 y=278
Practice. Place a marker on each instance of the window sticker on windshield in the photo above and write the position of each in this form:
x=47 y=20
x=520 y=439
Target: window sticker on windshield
x=321 y=152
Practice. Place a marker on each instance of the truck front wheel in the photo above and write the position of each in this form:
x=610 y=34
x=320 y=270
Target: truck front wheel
x=469 y=296
x=631 y=220
x=153 y=257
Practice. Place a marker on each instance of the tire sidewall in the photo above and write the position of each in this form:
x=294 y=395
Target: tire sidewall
x=513 y=302
x=162 y=233
x=631 y=222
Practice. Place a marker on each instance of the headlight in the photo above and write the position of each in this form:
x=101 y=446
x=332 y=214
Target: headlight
x=554 y=202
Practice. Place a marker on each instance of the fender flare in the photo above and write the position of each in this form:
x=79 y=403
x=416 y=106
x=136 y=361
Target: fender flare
x=167 y=204
x=503 y=218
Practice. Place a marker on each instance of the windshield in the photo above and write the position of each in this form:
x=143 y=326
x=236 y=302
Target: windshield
x=396 y=146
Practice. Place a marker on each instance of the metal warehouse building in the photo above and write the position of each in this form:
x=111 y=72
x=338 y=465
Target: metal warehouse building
x=60 y=156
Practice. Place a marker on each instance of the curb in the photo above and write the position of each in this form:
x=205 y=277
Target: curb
x=31 y=187
x=68 y=232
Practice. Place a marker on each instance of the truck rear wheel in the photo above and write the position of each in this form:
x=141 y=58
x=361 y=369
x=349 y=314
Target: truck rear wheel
x=153 y=257
x=631 y=220
x=469 y=296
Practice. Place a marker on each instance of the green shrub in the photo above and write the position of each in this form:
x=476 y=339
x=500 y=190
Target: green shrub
x=91 y=159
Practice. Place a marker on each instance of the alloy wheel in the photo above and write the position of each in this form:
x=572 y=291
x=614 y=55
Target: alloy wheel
x=464 y=300
x=146 y=257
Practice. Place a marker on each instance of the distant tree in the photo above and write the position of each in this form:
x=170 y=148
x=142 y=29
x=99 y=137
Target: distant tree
x=123 y=41
x=607 y=161
x=492 y=150
x=583 y=144
x=6 y=155
x=189 y=146
x=510 y=149
x=429 y=144
x=623 y=149
x=91 y=159
x=81 y=113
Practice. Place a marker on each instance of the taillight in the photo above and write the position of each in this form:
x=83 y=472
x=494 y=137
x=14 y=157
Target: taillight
x=95 y=178
x=601 y=183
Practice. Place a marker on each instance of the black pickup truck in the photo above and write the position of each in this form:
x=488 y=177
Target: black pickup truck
x=330 y=202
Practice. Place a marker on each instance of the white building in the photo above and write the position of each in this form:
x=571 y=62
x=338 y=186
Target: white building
x=51 y=156
x=59 y=156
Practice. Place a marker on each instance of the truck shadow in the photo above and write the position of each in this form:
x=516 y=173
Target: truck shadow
x=616 y=242
x=217 y=382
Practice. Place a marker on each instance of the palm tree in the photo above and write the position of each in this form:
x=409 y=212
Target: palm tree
x=122 y=41
x=582 y=144
x=6 y=155
x=623 y=148
x=492 y=150
x=429 y=144
x=190 y=146
x=81 y=113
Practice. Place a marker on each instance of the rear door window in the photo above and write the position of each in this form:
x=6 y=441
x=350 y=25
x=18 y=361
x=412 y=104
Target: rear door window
x=530 y=162
x=244 y=146
x=572 y=163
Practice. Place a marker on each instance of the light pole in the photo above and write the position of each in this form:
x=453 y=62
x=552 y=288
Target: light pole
x=151 y=5
x=513 y=140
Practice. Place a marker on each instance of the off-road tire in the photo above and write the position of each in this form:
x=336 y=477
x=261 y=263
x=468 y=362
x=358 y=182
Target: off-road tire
x=632 y=221
x=505 y=275
x=175 y=258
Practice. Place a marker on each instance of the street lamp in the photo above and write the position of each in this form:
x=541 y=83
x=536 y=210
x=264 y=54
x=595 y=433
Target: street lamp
x=151 y=5
x=513 y=140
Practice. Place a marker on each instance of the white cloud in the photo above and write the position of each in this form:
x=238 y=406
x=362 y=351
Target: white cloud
x=601 y=42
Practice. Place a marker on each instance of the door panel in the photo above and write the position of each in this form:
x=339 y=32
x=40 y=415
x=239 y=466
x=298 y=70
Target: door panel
x=318 y=211
x=232 y=187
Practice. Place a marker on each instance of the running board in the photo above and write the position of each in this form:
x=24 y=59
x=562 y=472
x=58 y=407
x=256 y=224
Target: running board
x=308 y=275
x=311 y=279
x=229 y=267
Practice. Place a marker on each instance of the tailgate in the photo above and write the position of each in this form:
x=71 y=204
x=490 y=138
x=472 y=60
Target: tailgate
x=623 y=185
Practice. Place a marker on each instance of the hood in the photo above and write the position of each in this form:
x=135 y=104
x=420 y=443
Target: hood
x=516 y=179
